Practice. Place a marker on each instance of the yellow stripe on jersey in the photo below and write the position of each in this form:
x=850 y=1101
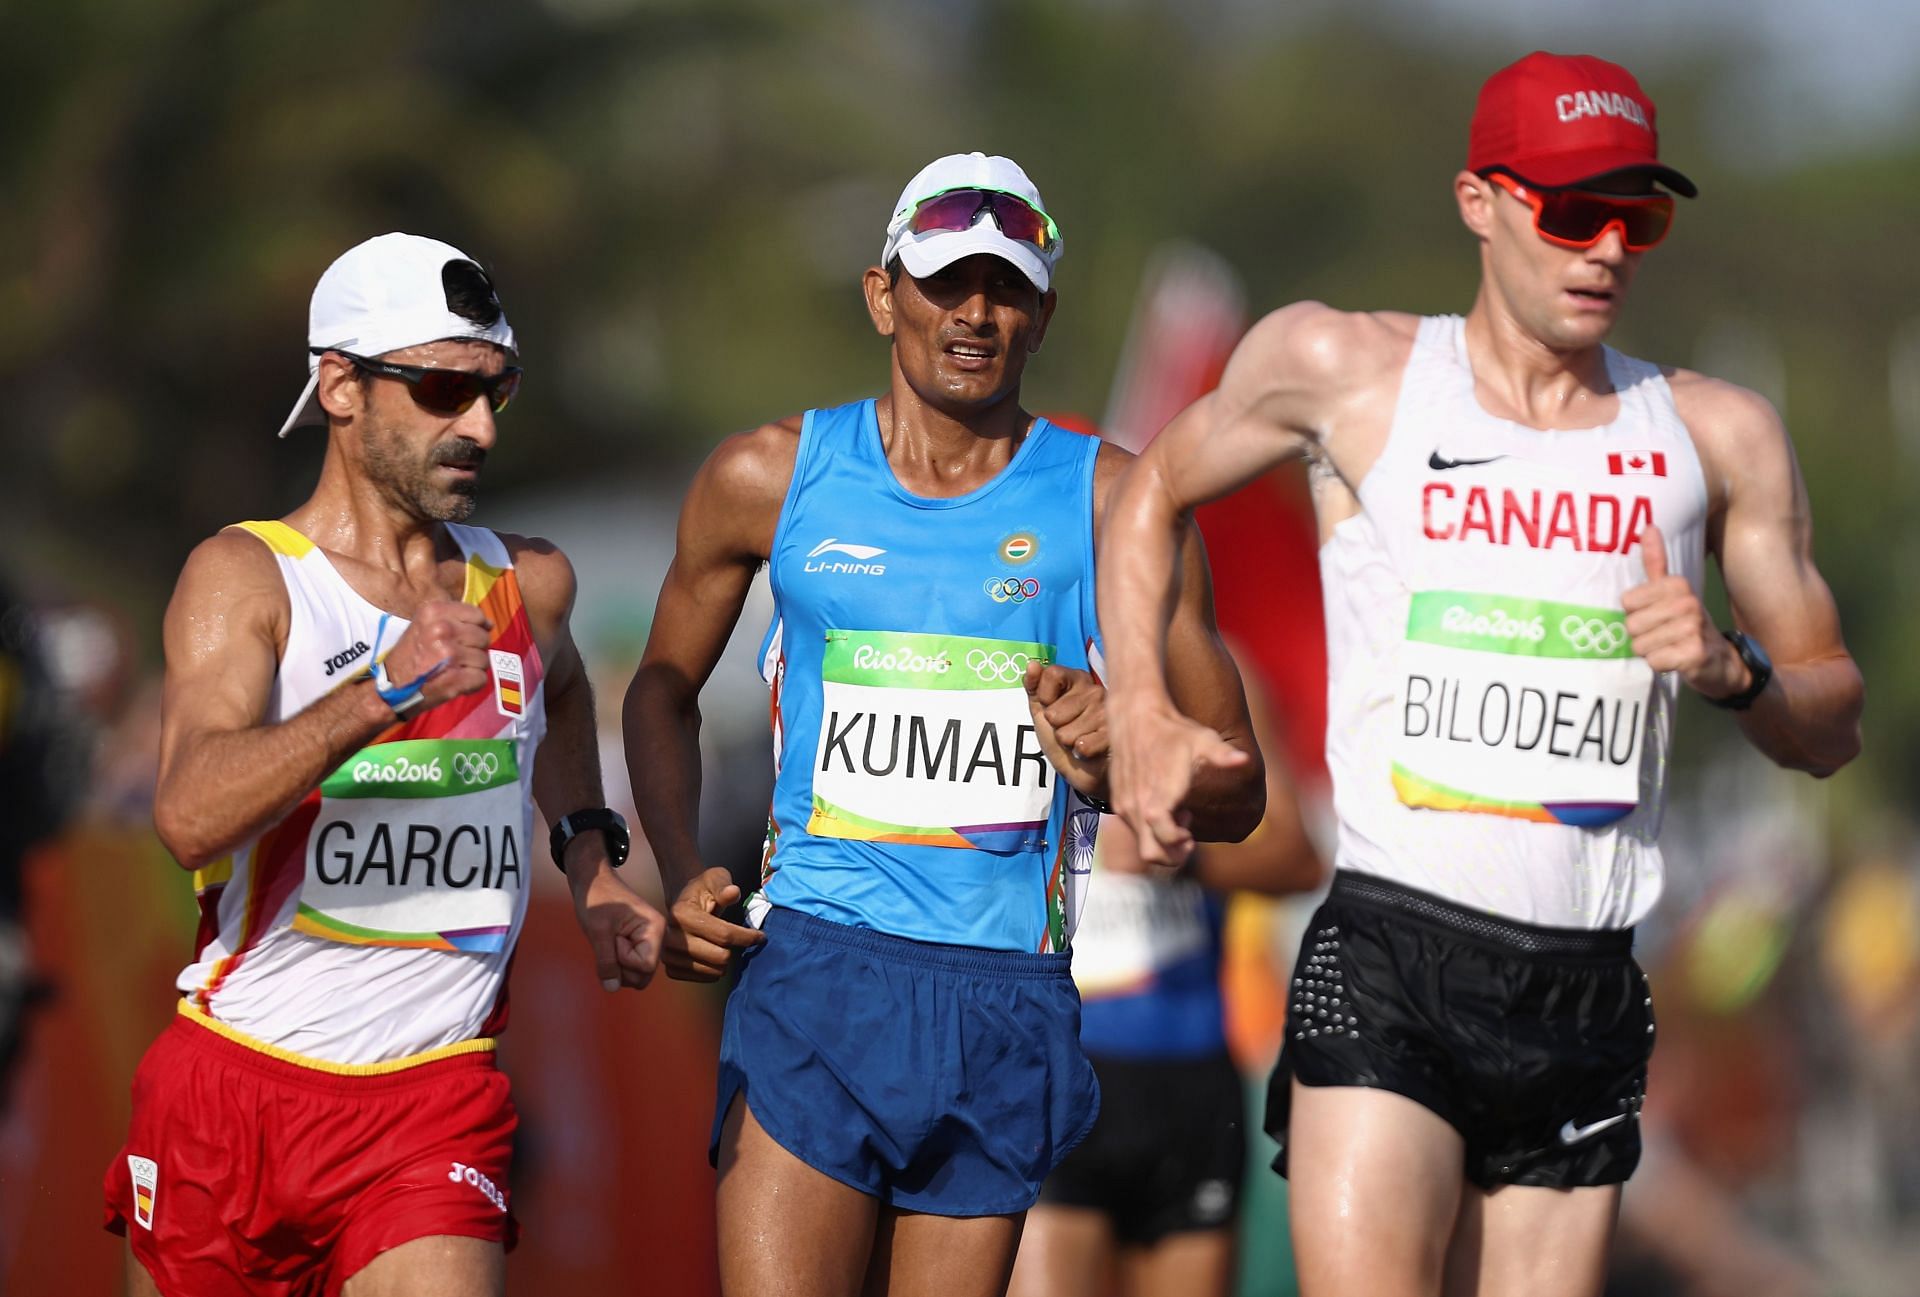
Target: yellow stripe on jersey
x=480 y=578
x=194 y=1013
x=217 y=873
x=279 y=538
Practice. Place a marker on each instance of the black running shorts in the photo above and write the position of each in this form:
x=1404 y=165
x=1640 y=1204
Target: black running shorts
x=1167 y=1153
x=1531 y=1042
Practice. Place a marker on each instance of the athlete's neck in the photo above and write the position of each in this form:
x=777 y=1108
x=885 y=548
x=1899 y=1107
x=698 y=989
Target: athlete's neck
x=941 y=453
x=350 y=516
x=1518 y=375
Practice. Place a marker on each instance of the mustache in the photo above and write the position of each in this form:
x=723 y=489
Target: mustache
x=461 y=452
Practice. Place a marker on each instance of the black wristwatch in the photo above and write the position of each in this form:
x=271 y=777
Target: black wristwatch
x=1757 y=662
x=609 y=822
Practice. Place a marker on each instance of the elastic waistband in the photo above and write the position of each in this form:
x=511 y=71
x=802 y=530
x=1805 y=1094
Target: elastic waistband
x=1350 y=888
x=198 y=1030
x=792 y=924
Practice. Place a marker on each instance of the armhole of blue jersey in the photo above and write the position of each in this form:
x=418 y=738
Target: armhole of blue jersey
x=1090 y=610
x=802 y=459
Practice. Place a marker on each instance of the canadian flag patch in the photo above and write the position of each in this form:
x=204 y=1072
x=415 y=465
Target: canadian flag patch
x=1637 y=463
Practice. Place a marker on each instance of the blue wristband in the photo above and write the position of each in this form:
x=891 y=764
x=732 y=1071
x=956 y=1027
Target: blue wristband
x=404 y=699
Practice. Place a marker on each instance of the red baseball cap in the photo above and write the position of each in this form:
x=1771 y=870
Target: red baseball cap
x=1558 y=119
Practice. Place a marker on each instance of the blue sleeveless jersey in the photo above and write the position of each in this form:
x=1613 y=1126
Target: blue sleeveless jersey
x=911 y=795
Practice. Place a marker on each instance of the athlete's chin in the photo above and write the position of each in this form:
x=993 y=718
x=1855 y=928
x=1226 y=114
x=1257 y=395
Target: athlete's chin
x=1579 y=331
x=456 y=505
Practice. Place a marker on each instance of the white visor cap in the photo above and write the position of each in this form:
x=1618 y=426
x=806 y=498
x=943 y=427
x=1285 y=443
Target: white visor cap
x=379 y=296
x=923 y=254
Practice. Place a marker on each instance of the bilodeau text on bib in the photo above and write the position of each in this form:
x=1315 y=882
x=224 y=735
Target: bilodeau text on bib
x=1521 y=707
x=418 y=843
x=927 y=740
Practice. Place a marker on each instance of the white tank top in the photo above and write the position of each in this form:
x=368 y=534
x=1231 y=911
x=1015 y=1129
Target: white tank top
x=373 y=927
x=1491 y=737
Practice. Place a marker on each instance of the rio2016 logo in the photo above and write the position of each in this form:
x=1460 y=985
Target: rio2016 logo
x=1011 y=589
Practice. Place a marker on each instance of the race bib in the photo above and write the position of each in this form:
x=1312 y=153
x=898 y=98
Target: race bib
x=927 y=740
x=418 y=843
x=1520 y=707
x=1132 y=927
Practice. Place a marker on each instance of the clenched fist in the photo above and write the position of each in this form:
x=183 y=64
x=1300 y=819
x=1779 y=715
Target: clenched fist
x=447 y=644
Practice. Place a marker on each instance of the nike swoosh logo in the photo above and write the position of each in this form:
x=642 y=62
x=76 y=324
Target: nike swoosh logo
x=1572 y=1134
x=1439 y=465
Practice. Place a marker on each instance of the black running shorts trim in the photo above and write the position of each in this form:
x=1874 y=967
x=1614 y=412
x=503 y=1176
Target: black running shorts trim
x=1168 y=1152
x=1532 y=1042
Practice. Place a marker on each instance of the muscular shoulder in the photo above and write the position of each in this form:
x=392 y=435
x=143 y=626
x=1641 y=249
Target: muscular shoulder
x=754 y=468
x=1739 y=435
x=735 y=501
x=230 y=568
x=546 y=577
x=229 y=584
x=1328 y=347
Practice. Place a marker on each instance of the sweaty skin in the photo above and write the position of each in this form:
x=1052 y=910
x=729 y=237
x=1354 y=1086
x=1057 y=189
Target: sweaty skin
x=392 y=474
x=949 y=421
x=1377 y=1198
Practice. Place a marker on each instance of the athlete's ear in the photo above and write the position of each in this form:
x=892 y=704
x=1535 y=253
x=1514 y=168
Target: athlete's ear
x=877 y=284
x=1475 y=194
x=1048 y=300
x=340 y=391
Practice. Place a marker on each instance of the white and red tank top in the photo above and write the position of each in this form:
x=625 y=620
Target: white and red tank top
x=1491 y=736
x=373 y=927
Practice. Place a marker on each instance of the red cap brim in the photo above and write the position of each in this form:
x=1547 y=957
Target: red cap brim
x=1564 y=170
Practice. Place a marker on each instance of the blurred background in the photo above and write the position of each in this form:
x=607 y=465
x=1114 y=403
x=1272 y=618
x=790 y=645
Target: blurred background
x=676 y=199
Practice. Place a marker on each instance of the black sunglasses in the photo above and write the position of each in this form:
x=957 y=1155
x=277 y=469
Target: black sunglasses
x=440 y=391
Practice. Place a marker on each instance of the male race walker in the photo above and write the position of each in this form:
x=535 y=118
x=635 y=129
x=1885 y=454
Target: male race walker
x=900 y=1065
x=356 y=695
x=1514 y=523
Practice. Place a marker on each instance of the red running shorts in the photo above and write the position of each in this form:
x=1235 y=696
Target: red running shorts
x=244 y=1173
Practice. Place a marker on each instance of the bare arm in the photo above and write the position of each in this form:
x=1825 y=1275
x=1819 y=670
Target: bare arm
x=624 y=932
x=1268 y=409
x=1278 y=858
x=225 y=775
x=725 y=533
x=1808 y=718
x=1225 y=801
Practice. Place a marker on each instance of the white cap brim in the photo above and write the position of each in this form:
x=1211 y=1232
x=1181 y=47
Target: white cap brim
x=307 y=409
x=924 y=254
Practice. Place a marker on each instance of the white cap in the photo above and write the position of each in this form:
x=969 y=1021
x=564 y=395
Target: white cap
x=379 y=296
x=922 y=254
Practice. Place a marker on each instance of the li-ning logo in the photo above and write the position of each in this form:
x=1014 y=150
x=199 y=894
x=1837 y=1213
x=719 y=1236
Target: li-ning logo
x=1005 y=668
x=1012 y=589
x=479 y=1180
x=146 y=1184
x=1600 y=103
x=1591 y=635
x=345 y=656
x=862 y=553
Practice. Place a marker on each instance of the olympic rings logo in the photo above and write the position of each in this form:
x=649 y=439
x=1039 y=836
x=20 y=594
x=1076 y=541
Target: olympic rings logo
x=1011 y=589
x=1592 y=635
x=475 y=767
x=1005 y=668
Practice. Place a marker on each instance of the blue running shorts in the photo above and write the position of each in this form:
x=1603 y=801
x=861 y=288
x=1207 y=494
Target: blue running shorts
x=939 y=1079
